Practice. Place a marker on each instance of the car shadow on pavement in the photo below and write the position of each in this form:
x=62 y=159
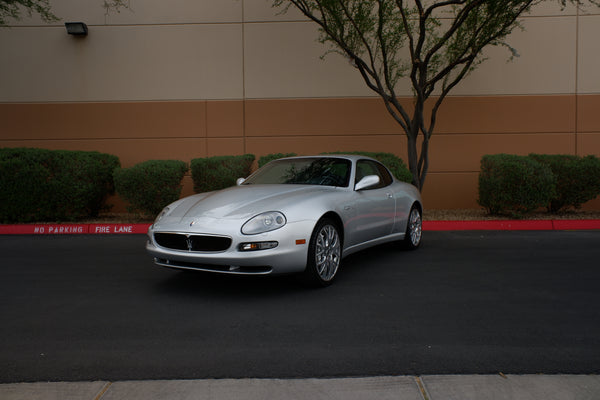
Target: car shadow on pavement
x=199 y=283
x=354 y=269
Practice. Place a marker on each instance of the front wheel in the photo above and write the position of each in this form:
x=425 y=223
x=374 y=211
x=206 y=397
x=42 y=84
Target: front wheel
x=324 y=254
x=414 y=228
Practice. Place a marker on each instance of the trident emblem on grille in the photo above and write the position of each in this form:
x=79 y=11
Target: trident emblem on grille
x=189 y=243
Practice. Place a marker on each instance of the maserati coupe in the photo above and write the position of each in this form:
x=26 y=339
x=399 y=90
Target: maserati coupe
x=293 y=215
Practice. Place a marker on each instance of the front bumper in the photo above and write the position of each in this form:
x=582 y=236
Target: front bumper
x=289 y=256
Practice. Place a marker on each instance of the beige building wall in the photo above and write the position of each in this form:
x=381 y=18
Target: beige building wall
x=187 y=78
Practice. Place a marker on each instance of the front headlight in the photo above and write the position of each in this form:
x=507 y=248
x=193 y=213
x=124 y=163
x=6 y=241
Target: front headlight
x=264 y=222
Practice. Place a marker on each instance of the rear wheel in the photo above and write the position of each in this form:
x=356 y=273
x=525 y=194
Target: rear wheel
x=324 y=253
x=414 y=228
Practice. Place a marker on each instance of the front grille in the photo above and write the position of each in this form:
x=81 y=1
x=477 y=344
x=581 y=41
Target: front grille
x=178 y=241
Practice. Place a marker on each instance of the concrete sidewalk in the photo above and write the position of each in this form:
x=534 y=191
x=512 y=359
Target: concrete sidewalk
x=428 y=387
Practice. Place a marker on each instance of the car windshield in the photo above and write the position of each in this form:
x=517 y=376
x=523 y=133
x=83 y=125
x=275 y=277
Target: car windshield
x=304 y=171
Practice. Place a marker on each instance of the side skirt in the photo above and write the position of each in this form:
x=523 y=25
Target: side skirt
x=375 y=242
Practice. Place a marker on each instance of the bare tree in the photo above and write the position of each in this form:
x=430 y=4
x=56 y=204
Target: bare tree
x=14 y=9
x=434 y=44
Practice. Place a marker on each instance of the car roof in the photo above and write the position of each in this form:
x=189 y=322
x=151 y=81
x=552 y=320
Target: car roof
x=351 y=157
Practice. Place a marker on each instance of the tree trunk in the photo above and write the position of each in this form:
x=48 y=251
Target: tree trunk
x=413 y=160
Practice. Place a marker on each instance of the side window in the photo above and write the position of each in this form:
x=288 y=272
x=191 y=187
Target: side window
x=369 y=167
x=384 y=174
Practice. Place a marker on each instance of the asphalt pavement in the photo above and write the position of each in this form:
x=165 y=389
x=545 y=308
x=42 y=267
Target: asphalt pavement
x=469 y=303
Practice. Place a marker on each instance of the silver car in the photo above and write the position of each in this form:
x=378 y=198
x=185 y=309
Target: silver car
x=294 y=215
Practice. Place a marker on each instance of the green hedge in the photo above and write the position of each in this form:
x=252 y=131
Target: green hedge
x=394 y=163
x=514 y=185
x=215 y=173
x=53 y=185
x=151 y=185
x=270 y=157
x=577 y=179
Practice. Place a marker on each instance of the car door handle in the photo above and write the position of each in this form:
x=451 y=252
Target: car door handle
x=390 y=195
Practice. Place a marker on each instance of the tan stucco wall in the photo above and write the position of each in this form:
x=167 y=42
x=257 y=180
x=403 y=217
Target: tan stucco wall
x=198 y=78
x=469 y=127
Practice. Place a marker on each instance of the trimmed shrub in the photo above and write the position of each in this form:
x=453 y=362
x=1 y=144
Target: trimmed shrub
x=54 y=185
x=514 y=185
x=90 y=177
x=22 y=188
x=270 y=157
x=151 y=185
x=394 y=163
x=215 y=173
x=577 y=179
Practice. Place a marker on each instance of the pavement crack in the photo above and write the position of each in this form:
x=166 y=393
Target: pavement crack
x=421 y=388
x=104 y=390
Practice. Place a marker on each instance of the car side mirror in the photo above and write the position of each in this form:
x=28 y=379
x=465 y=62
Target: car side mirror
x=240 y=181
x=367 y=182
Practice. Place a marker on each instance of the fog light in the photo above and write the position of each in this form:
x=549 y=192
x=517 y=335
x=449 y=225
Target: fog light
x=258 y=246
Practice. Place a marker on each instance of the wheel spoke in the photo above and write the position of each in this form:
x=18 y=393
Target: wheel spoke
x=327 y=252
x=415 y=227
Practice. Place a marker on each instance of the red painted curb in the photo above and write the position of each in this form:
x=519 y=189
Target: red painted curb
x=512 y=225
x=118 y=228
x=73 y=229
x=572 y=224
x=493 y=225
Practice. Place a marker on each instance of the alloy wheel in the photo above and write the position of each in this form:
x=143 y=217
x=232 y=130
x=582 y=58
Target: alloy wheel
x=327 y=252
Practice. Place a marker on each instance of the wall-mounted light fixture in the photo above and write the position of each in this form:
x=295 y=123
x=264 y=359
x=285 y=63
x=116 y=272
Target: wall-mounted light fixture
x=76 y=28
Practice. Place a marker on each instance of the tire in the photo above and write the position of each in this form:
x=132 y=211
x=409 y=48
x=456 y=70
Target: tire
x=324 y=254
x=414 y=229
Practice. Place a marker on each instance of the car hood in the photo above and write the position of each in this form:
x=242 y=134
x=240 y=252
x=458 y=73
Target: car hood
x=245 y=201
